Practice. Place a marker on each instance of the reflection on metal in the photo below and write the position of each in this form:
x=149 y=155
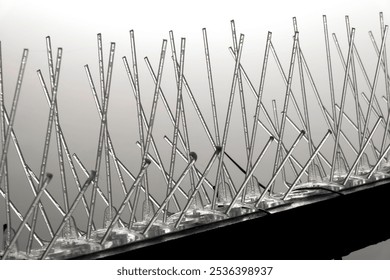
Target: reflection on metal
x=212 y=199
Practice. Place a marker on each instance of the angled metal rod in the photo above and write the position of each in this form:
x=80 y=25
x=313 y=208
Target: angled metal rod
x=351 y=82
x=355 y=87
x=362 y=151
x=163 y=99
x=320 y=155
x=3 y=138
x=286 y=103
x=336 y=147
x=292 y=159
x=211 y=88
x=296 y=107
x=383 y=155
x=387 y=86
x=386 y=133
x=98 y=160
x=361 y=115
x=57 y=128
x=153 y=113
x=249 y=174
x=270 y=183
x=258 y=107
x=212 y=94
x=377 y=53
x=344 y=64
x=49 y=196
x=265 y=112
x=139 y=121
x=199 y=114
x=155 y=162
x=132 y=84
x=47 y=142
x=375 y=82
x=179 y=104
x=241 y=93
x=187 y=145
x=227 y=124
x=242 y=169
x=384 y=59
x=109 y=141
x=115 y=219
x=98 y=190
x=276 y=120
x=199 y=174
x=121 y=165
x=330 y=72
x=174 y=188
x=312 y=156
x=199 y=184
x=376 y=113
x=7 y=139
x=69 y=214
x=20 y=217
x=275 y=129
x=225 y=173
x=45 y=183
x=320 y=103
x=365 y=72
x=65 y=145
x=372 y=144
x=106 y=145
x=304 y=97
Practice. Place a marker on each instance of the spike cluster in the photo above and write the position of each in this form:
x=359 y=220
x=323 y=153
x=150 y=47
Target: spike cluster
x=193 y=195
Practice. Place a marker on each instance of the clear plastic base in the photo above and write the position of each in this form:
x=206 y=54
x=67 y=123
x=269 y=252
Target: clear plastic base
x=238 y=209
x=118 y=236
x=271 y=200
x=312 y=188
x=158 y=228
x=69 y=248
x=15 y=255
x=197 y=217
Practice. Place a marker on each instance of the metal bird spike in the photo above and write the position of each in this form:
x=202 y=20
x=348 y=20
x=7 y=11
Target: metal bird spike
x=258 y=107
x=177 y=120
x=286 y=103
x=197 y=187
x=30 y=210
x=57 y=126
x=194 y=157
x=49 y=130
x=147 y=207
x=226 y=128
x=69 y=213
x=139 y=120
x=102 y=132
x=186 y=139
x=7 y=139
x=342 y=104
x=115 y=219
